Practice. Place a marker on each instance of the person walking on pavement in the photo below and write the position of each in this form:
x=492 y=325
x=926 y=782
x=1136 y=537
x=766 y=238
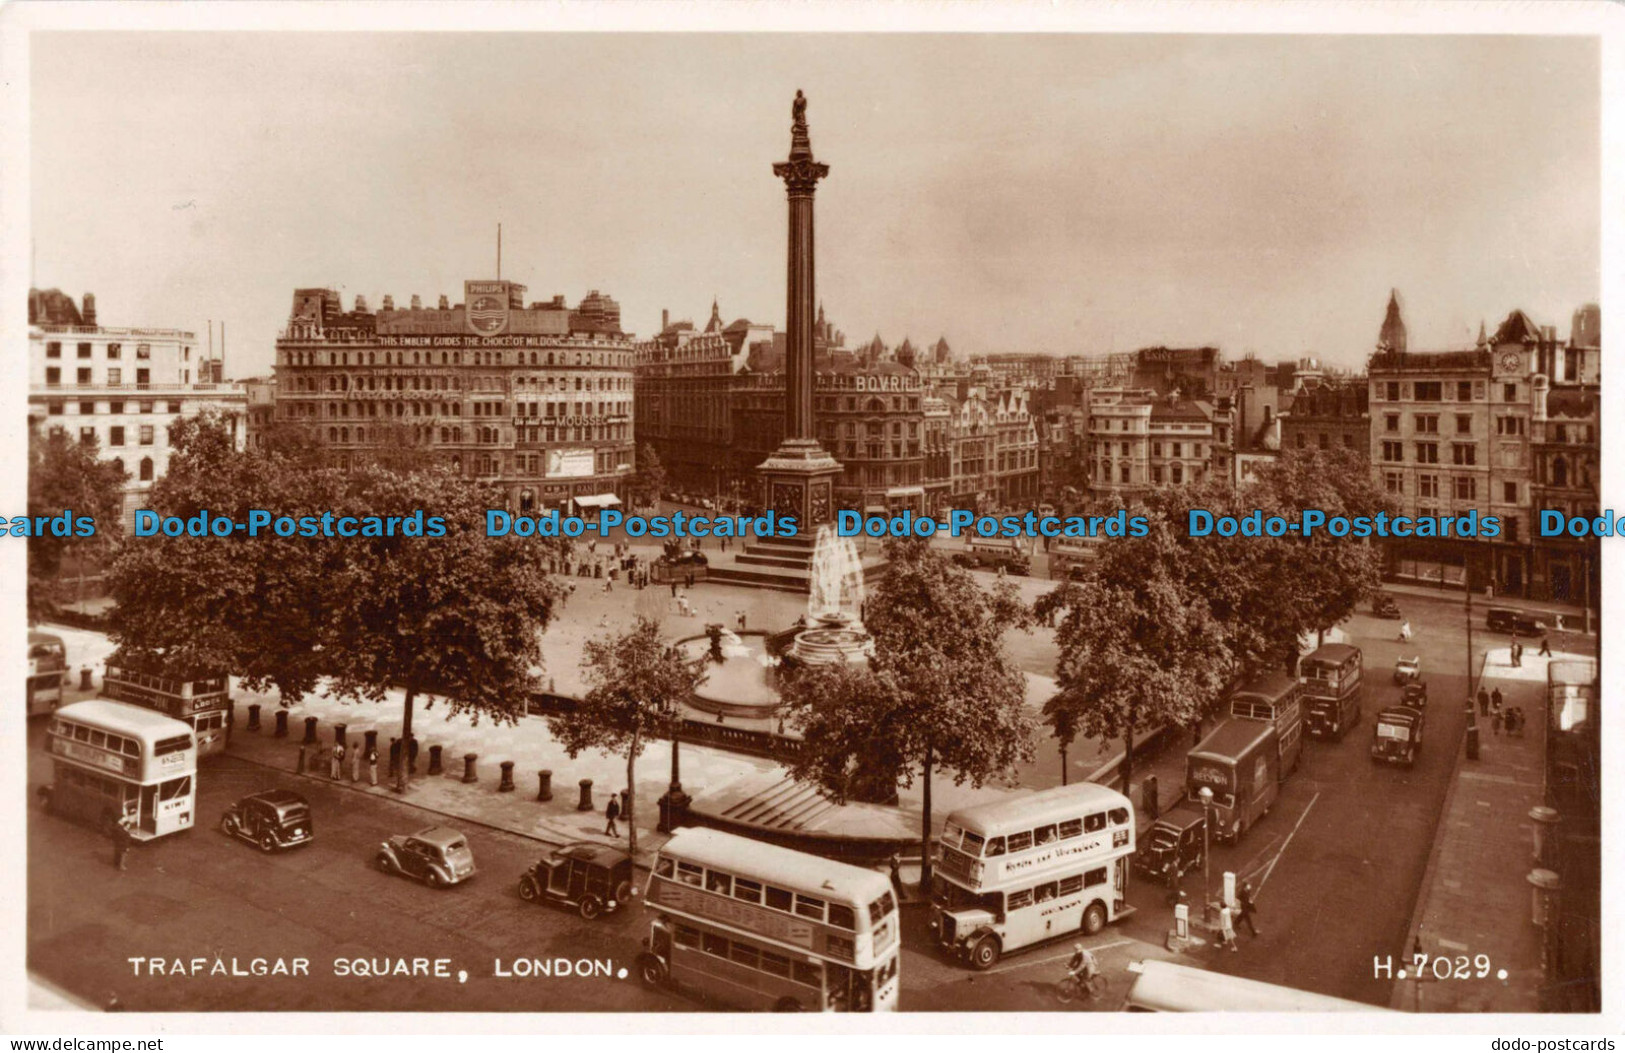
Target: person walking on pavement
x=612 y=812
x=1546 y=646
x=1495 y=722
x=1247 y=908
x=1495 y=701
x=896 y=864
x=674 y=586
x=338 y=760
x=122 y=840
x=1483 y=702
x=1227 y=928
x=372 y=766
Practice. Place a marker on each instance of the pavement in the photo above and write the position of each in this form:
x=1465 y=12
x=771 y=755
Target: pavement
x=1476 y=899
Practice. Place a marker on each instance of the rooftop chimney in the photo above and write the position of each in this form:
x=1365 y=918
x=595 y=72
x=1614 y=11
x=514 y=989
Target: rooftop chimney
x=89 y=313
x=417 y=302
x=389 y=302
x=445 y=304
x=665 y=319
x=360 y=304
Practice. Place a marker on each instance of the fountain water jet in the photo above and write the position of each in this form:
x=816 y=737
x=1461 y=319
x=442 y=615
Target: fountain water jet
x=834 y=605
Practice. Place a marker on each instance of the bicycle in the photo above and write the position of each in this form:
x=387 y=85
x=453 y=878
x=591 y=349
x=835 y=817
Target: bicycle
x=1072 y=986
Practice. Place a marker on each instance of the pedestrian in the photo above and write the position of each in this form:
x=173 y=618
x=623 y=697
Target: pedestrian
x=1405 y=632
x=674 y=586
x=1517 y=655
x=372 y=766
x=1495 y=701
x=897 y=875
x=1483 y=702
x=1227 y=928
x=355 y=766
x=337 y=760
x=689 y=583
x=612 y=812
x=1496 y=721
x=609 y=583
x=122 y=840
x=741 y=621
x=1546 y=646
x=1244 y=899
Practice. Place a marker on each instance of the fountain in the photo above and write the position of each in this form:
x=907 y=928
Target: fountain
x=834 y=605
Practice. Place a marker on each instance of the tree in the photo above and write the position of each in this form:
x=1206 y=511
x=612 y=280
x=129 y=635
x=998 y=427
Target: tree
x=637 y=683
x=253 y=606
x=1138 y=650
x=651 y=473
x=939 y=692
x=458 y=616
x=66 y=474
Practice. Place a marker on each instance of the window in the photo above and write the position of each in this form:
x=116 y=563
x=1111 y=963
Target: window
x=115 y=377
x=1509 y=426
x=1509 y=392
x=115 y=435
x=1118 y=816
x=778 y=899
x=53 y=376
x=54 y=408
x=808 y=907
x=1393 y=391
x=1466 y=488
x=1044 y=834
x=87 y=409
x=1464 y=424
x=745 y=955
x=1393 y=451
x=1072 y=884
x=684 y=936
x=689 y=874
x=750 y=891
x=777 y=964
x=1512 y=529
x=806 y=973
x=114 y=351
x=842 y=917
x=174 y=407
x=1071 y=828
x=1509 y=491
x=716 y=881
x=1428 y=423
x=711 y=943
x=1393 y=483
x=1021 y=842
x=146 y=435
x=82 y=377
x=1429 y=391
x=1464 y=391
x=146 y=407
x=1094 y=877
x=53 y=349
x=87 y=435
x=1024 y=898
x=1427 y=486
x=1094 y=823
x=143 y=351
x=1044 y=893
x=1427 y=453
x=84 y=350
x=1464 y=453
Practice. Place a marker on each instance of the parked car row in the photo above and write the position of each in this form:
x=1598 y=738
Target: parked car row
x=589 y=878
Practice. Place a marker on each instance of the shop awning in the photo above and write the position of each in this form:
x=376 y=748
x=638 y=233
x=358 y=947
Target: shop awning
x=906 y=491
x=598 y=501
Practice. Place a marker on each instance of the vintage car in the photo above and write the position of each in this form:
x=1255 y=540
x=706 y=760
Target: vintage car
x=1414 y=695
x=1507 y=620
x=1383 y=606
x=1173 y=845
x=273 y=820
x=1408 y=670
x=438 y=856
x=592 y=879
x=1397 y=737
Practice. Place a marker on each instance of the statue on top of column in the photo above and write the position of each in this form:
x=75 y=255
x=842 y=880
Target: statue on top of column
x=798 y=114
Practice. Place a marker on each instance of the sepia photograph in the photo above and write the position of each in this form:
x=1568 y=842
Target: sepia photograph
x=578 y=515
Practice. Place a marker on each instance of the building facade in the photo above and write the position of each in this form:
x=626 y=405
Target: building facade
x=536 y=399
x=1330 y=416
x=123 y=387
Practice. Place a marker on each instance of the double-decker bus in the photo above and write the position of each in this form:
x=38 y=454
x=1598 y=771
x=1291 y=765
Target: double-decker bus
x=1275 y=699
x=1029 y=868
x=1168 y=987
x=112 y=760
x=758 y=926
x=203 y=702
x=47 y=669
x=1332 y=679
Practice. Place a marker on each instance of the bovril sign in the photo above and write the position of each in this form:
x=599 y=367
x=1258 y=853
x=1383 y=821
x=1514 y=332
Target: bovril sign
x=877 y=382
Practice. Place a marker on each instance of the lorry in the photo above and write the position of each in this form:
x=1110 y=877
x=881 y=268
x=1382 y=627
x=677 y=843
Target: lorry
x=1275 y=699
x=1240 y=761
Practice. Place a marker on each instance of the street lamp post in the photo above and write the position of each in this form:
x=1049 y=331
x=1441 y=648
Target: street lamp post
x=1206 y=796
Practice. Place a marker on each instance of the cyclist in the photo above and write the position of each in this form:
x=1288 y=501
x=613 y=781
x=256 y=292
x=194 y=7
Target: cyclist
x=1083 y=965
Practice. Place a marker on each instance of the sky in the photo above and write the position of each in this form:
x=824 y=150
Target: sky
x=1066 y=193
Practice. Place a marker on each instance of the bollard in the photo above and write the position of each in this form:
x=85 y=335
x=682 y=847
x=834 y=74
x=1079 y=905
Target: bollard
x=585 y=804
x=1148 y=797
x=371 y=737
x=310 y=731
x=300 y=770
x=341 y=734
x=1472 y=742
x=84 y=679
x=1546 y=885
x=625 y=810
x=1182 y=921
x=506 y=785
x=544 y=785
x=468 y=767
x=434 y=761
x=394 y=756
x=1545 y=820
x=253 y=716
x=281 y=723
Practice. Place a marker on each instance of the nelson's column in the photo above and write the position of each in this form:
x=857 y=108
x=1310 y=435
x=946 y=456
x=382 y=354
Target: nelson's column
x=798 y=479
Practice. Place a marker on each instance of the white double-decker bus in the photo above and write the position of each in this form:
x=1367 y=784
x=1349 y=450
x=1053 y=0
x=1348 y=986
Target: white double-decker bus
x=1029 y=868
x=758 y=926
x=113 y=760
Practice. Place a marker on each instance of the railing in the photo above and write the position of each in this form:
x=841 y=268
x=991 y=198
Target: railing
x=158 y=388
x=104 y=330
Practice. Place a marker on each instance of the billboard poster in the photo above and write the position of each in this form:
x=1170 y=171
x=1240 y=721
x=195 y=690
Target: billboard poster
x=569 y=464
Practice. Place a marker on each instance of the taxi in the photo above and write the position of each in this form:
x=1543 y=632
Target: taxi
x=592 y=879
x=438 y=856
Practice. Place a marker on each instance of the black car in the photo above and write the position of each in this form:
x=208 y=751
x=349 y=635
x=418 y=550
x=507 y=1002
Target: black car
x=1173 y=845
x=1507 y=620
x=1383 y=606
x=1415 y=695
x=273 y=820
x=1396 y=737
x=593 y=879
